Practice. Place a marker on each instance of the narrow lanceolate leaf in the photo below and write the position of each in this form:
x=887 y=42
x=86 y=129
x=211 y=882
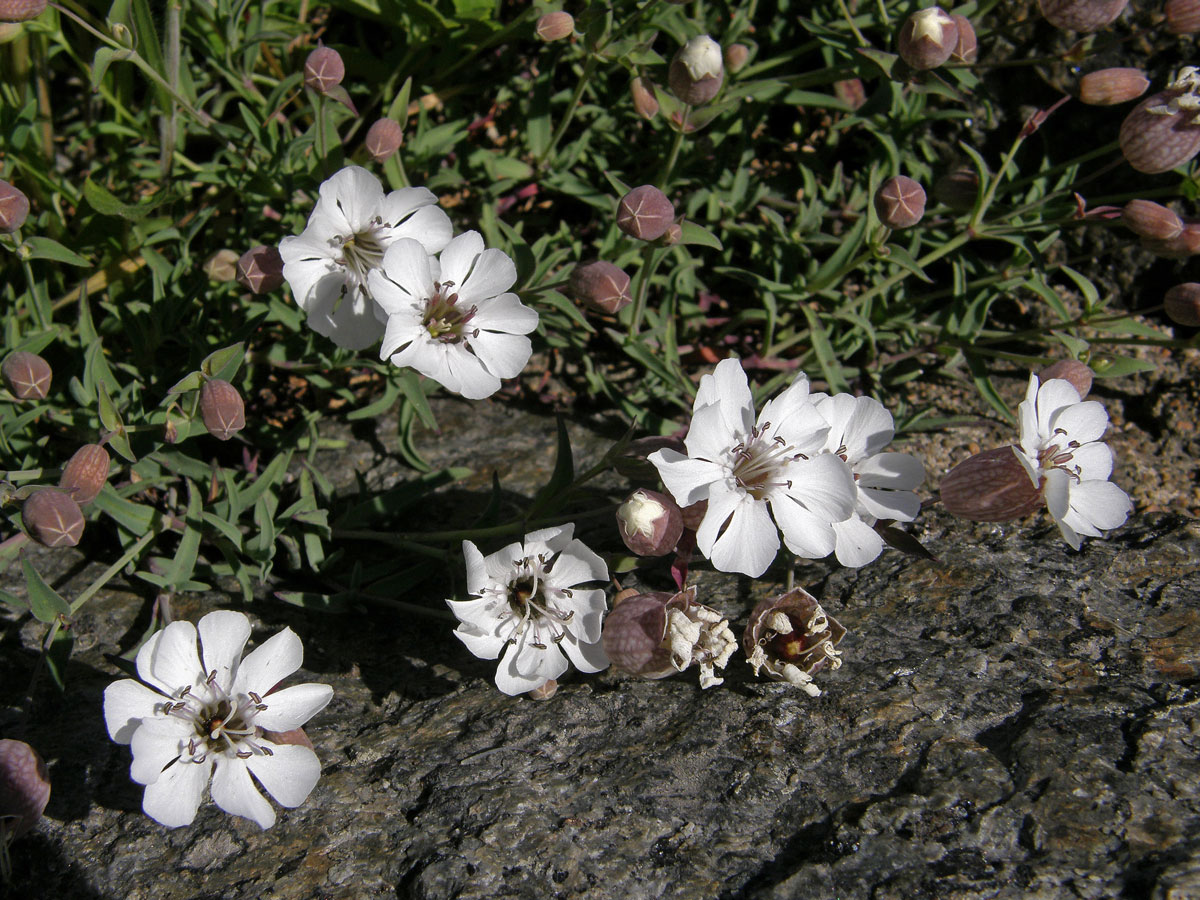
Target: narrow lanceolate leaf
x=45 y=603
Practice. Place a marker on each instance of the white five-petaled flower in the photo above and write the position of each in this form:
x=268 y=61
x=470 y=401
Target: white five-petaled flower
x=207 y=709
x=352 y=225
x=450 y=318
x=1062 y=452
x=527 y=604
x=743 y=468
x=859 y=429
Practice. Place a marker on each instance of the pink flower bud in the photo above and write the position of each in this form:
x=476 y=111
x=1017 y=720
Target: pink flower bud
x=966 y=48
x=1081 y=15
x=1108 y=87
x=85 y=474
x=384 y=139
x=21 y=10
x=27 y=375
x=24 y=789
x=1182 y=304
x=1153 y=220
x=52 y=518
x=14 y=207
x=222 y=409
x=324 y=70
x=1185 y=244
x=650 y=523
x=600 y=286
x=900 y=202
x=222 y=266
x=1183 y=16
x=927 y=38
x=644 y=101
x=736 y=56
x=1072 y=370
x=555 y=26
x=697 y=71
x=991 y=486
x=645 y=213
x=851 y=92
x=791 y=637
x=260 y=269
x=1161 y=132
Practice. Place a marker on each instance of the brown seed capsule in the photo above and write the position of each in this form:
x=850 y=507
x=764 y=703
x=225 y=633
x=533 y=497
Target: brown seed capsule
x=991 y=486
x=1161 y=132
x=260 y=269
x=851 y=92
x=644 y=101
x=384 y=139
x=1183 y=16
x=1182 y=304
x=555 y=26
x=1108 y=87
x=900 y=202
x=927 y=38
x=24 y=789
x=324 y=70
x=694 y=515
x=1153 y=220
x=650 y=523
x=222 y=409
x=14 y=208
x=1071 y=370
x=222 y=266
x=966 y=48
x=645 y=213
x=736 y=56
x=52 y=518
x=27 y=375
x=697 y=71
x=600 y=286
x=85 y=474
x=21 y=10
x=958 y=190
x=545 y=690
x=791 y=637
x=1081 y=15
x=1185 y=244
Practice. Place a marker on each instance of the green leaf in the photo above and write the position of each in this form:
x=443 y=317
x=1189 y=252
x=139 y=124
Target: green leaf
x=184 y=561
x=550 y=497
x=38 y=247
x=830 y=366
x=57 y=656
x=109 y=416
x=104 y=57
x=45 y=602
x=904 y=259
x=224 y=363
x=190 y=382
x=698 y=234
x=103 y=201
x=1118 y=366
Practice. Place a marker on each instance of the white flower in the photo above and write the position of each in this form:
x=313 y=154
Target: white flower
x=741 y=468
x=859 y=429
x=1061 y=451
x=450 y=318
x=211 y=709
x=351 y=226
x=702 y=57
x=527 y=604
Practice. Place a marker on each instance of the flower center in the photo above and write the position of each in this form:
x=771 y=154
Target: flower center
x=531 y=608
x=222 y=723
x=444 y=319
x=759 y=462
x=363 y=250
x=1052 y=456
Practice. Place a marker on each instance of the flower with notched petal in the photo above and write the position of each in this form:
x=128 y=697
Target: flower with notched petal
x=791 y=637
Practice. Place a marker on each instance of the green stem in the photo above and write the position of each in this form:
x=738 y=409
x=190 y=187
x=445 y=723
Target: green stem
x=322 y=144
x=589 y=67
x=650 y=259
x=676 y=144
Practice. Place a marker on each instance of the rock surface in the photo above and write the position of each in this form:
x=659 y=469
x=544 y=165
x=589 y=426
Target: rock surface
x=1016 y=720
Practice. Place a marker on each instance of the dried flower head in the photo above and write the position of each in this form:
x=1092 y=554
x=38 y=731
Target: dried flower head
x=24 y=793
x=1081 y=15
x=791 y=637
x=324 y=70
x=85 y=474
x=555 y=26
x=222 y=408
x=14 y=207
x=27 y=375
x=900 y=202
x=1163 y=131
x=384 y=139
x=260 y=269
x=697 y=71
x=600 y=286
x=1182 y=304
x=650 y=523
x=927 y=38
x=645 y=213
x=52 y=518
x=1108 y=87
x=642 y=91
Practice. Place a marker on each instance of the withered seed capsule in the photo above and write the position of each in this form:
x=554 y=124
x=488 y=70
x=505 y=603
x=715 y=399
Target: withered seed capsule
x=1183 y=16
x=927 y=38
x=1072 y=370
x=21 y=10
x=791 y=637
x=52 y=518
x=260 y=269
x=991 y=486
x=27 y=375
x=900 y=202
x=1081 y=15
x=24 y=789
x=222 y=409
x=14 y=208
x=1161 y=132
x=601 y=286
x=85 y=473
x=1146 y=218
x=645 y=213
x=1108 y=87
x=324 y=70
x=1182 y=304
x=384 y=139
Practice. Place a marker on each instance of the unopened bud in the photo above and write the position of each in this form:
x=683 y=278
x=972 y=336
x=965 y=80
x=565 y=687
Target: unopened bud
x=992 y=486
x=927 y=38
x=600 y=286
x=222 y=409
x=958 y=190
x=644 y=101
x=1182 y=246
x=1081 y=15
x=222 y=266
x=85 y=474
x=1071 y=370
x=1182 y=304
x=1108 y=87
x=545 y=690
x=27 y=375
x=650 y=523
x=14 y=208
x=384 y=139
x=900 y=202
x=696 y=71
x=555 y=26
x=736 y=56
x=324 y=70
x=24 y=789
x=966 y=48
x=52 y=518
x=21 y=10
x=645 y=213
x=672 y=236
x=1161 y=132
x=260 y=269
x=791 y=637
x=1183 y=16
x=1146 y=218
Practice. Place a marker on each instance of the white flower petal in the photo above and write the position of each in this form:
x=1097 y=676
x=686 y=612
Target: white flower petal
x=234 y=792
x=868 y=430
x=733 y=396
x=903 y=506
x=586 y=657
x=575 y=565
x=513 y=680
x=687 y=480
x=349 y=321
x=477 y=577
x=1057 y=492
x=400 y=205
x=174 y=798
x=1052 y=397
x=805 y=533
x=430 y=225
x=1092 y=462
x=482 y=645
x=407 y=264
x=289 y=774
x=857 y=542
x=1102 y=504
x=269 y=663
x=503 y=355
x=589 y=608
x=356 y=193
x=223 y=636
x=402 y=336
x=174 y=661
x=709 y=437
x=126 y=703
x=1083 y=422
x=493 y=274
x=898 y=471
x=749 y=541
x=459 y=256
x=158 y=742
x=468 y=376
x=825 y=486
x=293 y=706
x=505 y=313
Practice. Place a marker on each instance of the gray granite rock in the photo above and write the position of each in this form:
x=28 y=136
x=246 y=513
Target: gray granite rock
x=1016 y=720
